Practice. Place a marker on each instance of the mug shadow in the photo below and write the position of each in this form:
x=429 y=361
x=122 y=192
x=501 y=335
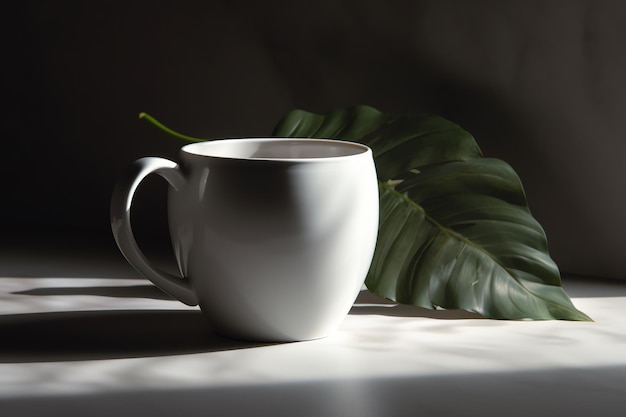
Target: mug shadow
x=109 y=334
x=119 y=334
x=127 y=291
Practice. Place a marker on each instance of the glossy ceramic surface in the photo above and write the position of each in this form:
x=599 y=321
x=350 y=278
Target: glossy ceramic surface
x=273 y=237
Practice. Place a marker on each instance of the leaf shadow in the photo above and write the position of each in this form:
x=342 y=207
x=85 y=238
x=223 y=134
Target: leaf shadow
x=109 y=334
x=371 y=304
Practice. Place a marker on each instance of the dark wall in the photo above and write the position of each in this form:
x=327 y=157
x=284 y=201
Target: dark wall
x=540 y=84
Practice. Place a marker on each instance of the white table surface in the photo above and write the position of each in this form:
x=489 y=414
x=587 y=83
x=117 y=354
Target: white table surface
x=87 y=337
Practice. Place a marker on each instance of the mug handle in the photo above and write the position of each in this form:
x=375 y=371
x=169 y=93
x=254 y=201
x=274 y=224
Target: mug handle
x=121 y=202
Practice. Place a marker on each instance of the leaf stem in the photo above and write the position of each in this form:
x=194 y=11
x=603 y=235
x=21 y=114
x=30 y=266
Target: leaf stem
x=166 y=129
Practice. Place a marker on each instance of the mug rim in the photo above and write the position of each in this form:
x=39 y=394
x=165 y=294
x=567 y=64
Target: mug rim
x=359 y=149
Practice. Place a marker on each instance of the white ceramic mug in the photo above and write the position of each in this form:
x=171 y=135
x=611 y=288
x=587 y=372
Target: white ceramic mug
x=273 y=236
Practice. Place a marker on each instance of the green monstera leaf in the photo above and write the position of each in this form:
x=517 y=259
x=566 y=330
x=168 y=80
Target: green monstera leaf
x=455 y=228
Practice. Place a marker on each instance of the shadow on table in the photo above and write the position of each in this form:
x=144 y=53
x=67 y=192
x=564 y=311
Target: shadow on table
x=111 y=334
x=370 y=304
x=126 y=291
x=366 y=303
x=581 y=392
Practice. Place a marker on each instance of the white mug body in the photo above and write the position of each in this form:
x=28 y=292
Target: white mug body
x=275 y=236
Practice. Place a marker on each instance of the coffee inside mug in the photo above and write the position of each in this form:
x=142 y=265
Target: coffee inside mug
x=273 y=149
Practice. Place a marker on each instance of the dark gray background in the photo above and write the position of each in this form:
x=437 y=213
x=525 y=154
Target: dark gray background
x=540 y=84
